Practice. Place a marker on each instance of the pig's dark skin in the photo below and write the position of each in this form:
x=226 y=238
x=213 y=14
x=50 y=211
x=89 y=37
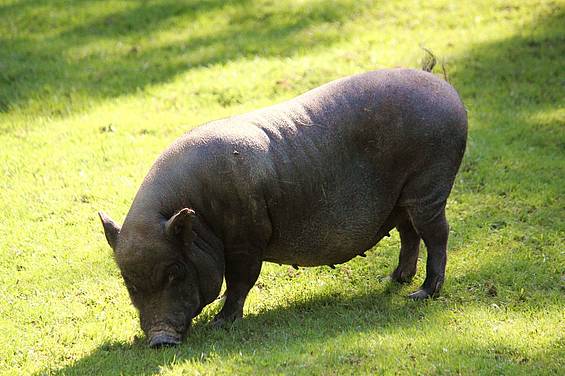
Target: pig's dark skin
x=316 y=180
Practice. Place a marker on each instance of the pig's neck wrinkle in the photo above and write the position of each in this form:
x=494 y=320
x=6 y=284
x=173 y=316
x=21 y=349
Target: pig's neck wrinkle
x=208 y=242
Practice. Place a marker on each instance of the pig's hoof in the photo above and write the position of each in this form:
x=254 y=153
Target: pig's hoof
x=223 y=321
x=420 y=295
x=219 y=323
x=400 y=276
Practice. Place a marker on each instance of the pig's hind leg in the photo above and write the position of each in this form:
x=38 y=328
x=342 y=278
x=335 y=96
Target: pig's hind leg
x=409 y=249
x=424 y=197
x=431 y=224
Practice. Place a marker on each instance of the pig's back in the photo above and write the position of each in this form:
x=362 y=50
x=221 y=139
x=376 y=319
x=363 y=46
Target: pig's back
x=342 y=154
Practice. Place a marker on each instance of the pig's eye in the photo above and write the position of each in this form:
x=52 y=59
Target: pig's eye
x=175 y=272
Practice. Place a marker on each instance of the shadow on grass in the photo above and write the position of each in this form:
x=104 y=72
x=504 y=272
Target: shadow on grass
x=506 y=83
x=285 y=339
x=278 y=333
x=71 y=56
x=514 y=160
x=513 y=88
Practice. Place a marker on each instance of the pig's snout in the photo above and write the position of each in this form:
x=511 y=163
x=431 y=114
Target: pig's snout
x=164 y=335
x=163 y=339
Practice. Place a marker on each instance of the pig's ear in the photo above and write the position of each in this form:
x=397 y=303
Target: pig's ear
x=180 y=225
x=111 y=229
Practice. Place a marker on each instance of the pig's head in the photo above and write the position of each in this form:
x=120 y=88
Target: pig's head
x=168 y=275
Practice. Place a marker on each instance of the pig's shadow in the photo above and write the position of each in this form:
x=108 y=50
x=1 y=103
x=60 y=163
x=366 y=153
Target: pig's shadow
x=278 y=333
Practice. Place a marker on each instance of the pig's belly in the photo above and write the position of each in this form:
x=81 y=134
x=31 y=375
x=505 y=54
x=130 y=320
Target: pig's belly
x=334 y=234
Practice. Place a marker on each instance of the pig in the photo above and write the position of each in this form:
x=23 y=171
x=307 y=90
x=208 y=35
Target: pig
x=316 y=180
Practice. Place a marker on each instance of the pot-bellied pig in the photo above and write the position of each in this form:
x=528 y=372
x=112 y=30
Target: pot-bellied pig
x=316 y=180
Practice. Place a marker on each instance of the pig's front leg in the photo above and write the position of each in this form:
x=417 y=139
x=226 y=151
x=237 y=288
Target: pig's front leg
x=242 y=271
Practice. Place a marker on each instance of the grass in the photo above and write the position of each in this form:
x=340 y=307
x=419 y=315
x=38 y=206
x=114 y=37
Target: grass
x=91 y=92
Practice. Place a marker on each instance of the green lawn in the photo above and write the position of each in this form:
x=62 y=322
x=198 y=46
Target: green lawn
x=91 y=92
